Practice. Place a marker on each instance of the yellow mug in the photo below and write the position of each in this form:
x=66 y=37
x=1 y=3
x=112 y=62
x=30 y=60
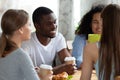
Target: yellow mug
x=92 y=38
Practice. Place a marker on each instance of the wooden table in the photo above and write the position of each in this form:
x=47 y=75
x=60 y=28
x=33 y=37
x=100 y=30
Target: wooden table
x=76 y=76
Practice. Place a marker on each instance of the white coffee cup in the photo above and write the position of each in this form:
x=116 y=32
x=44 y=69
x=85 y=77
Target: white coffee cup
x=70 y=60
x=46 y=72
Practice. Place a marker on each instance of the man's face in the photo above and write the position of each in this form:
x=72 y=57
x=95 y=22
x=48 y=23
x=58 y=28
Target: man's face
x=47 y=26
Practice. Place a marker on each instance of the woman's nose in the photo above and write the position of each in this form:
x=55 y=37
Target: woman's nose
x=100 y=23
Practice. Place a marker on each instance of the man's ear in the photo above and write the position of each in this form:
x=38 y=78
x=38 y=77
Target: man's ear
x=36 y=25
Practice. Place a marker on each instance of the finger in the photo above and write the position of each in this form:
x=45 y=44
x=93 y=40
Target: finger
x=36 y=68
x=75 y=68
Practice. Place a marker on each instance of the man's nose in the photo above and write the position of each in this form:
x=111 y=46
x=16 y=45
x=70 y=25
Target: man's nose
x=54 y=26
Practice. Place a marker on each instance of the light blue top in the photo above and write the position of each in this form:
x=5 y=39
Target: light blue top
x=96 y=68
x=96 y=65
x=17 y=66
x=78 y=46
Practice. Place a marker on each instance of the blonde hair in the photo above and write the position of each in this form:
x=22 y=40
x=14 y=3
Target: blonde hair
x=11 y=21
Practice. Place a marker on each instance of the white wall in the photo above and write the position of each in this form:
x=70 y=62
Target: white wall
x=80 y=6
x=28 y=5
x=85 y=5
x=31 y=5
x=6 y=4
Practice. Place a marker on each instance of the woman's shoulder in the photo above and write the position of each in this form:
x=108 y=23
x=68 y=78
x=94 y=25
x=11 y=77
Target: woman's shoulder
x=80 y=37
x=91 y=50
x=91 y=45
x=20 y=52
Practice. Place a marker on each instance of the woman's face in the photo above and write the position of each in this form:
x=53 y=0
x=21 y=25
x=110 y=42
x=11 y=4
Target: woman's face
x=26 y=31
x=97 y=23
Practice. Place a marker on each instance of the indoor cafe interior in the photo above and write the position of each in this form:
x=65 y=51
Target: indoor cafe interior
x=69 y=14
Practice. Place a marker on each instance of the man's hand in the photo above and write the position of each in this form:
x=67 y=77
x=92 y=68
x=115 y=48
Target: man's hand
x=69 y=68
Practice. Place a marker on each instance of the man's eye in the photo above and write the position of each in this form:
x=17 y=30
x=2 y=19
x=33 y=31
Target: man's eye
x=54 y=22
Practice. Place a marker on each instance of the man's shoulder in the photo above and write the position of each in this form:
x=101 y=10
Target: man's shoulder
x=30 y=42
x=33 y=35
x=59 y=35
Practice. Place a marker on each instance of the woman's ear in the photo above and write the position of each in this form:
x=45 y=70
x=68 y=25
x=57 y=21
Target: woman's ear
x=37 y=26
x=21 y=30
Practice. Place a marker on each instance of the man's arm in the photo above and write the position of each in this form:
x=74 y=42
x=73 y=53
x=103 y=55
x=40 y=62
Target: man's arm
x=62 y=54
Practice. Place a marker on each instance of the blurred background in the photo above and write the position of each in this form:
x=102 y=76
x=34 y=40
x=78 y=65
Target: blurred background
x=68 y=12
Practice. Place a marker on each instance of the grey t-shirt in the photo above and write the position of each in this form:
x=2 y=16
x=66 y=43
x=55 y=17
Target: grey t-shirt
x=17 y=66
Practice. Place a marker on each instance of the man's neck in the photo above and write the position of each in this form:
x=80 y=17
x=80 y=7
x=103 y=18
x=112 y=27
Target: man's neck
x=43 y=40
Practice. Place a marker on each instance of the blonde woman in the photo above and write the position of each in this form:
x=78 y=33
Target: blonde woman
x=15 y=64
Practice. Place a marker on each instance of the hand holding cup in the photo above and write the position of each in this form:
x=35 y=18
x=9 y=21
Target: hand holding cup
x=45 y=72
x=70 y=60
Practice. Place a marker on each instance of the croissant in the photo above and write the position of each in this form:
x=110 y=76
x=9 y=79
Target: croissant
x=61 y=76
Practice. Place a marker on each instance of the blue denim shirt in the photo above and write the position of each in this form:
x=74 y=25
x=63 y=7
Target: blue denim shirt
x=78 y=46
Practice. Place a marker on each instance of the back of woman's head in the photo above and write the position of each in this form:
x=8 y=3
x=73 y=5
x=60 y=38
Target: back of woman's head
x=11 y=21
x=110 y=41
x=86 y=21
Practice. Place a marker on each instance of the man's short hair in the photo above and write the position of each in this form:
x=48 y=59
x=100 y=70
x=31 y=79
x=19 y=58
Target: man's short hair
x=39 y=12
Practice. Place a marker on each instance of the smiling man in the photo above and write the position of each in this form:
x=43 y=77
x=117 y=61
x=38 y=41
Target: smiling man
x=46 y=42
